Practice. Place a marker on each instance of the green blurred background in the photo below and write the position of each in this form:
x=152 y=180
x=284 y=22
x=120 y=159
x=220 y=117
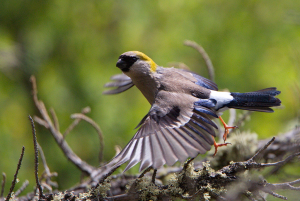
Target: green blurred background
x=72 y=48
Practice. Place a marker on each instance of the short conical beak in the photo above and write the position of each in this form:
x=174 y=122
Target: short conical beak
x=121 y=64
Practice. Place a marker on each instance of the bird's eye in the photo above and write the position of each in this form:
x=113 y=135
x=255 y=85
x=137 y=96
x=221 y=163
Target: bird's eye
x=125 y=62
x=129 y=59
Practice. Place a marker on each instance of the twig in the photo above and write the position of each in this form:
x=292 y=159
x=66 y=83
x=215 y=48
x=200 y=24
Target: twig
x=280 y=162
x=47 y=170
x=108 y=174
x=47 y=186
x=154 y=175
x=22 y=188
x=3 y=184
x=285 y=143
x=47 y=173
x=16 y=175
x=71 y=127
x=274 y=194
x=205 y=56
x=36 y=158
x=41 y=122
x=292 y=182
x=144 y=172
x=187 y=163
x=97 y=128
x=102 y=179
x=262 y=149
x=250 y=164
x=286 y=185
x=55 y=119
x=82 y=165
x=76 y=121
x=276 y=168
x=39 y=104
x=48 y=183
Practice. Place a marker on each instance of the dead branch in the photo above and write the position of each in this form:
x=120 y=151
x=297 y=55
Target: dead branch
x=250 y=164
x=36 y=159
x=95 y=174
x=262 y=149
x=97 y=128
x=76 y=121
x=22 y=188
x=286 y=185
x=78 y=162
x=55 y=119
x=47 y=170
x=144 y=172
x=47 y=175
x=16 y=175
x=41 y=122
x=204 y=55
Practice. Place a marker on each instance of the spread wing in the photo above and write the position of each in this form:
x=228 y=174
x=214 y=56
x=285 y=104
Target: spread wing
x=171 y=131
x=122 y=83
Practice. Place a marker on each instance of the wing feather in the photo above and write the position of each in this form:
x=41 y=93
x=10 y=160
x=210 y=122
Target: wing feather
x=187 y=142
x=146 y=159
x=171 y=131
x=157 y=158
x=135 y=155
x=125 y=154
x=177 y=144
x=122 y=83
x=167 y=150
x=198 y=117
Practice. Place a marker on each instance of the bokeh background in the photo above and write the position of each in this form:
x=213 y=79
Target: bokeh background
x=72 y=47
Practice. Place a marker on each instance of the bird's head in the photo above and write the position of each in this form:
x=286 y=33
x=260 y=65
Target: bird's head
x=135 y=61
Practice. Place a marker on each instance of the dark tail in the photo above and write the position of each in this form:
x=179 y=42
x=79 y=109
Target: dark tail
x=260 y=100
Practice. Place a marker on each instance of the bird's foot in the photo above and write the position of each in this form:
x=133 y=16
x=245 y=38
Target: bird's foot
x=226 y=127
x=216 y=145
x=227 y=131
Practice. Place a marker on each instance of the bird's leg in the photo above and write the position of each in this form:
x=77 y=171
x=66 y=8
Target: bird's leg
x=224 y=135
x=218 y=145
x=226 y=128
x=153 y=176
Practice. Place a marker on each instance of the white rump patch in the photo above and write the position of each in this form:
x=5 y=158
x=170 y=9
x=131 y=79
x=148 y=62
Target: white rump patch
x=221 y=97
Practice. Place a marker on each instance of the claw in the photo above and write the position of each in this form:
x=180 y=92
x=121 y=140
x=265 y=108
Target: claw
x=226 y=129
x=219 y=145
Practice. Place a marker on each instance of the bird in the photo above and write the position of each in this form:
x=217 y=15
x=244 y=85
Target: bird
x=179 y=124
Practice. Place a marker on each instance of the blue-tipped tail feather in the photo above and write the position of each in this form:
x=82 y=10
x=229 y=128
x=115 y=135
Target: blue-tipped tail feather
x=260 y=100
